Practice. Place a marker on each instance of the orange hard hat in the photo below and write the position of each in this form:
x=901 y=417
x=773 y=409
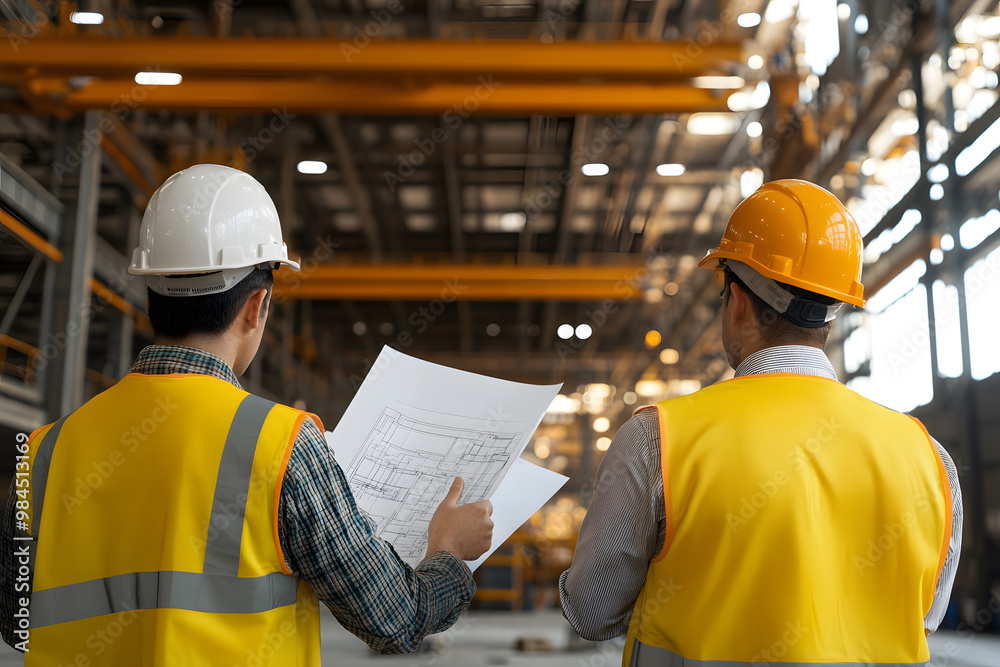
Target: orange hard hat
x=796 y=233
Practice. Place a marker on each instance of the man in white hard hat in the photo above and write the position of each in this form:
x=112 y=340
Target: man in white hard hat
x=178 y=519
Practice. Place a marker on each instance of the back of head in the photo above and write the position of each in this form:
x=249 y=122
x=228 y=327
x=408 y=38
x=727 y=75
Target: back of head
x=796 y=250
x=177 y=317
x=210 y=238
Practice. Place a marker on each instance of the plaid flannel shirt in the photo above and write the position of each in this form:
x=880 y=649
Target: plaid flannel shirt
x=326 y=539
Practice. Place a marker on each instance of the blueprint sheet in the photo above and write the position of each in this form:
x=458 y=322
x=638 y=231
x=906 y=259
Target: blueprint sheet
x=414 y=426
x=521 y=493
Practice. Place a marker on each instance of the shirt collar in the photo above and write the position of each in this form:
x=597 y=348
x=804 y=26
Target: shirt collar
x=800 y=359
x=165 y=359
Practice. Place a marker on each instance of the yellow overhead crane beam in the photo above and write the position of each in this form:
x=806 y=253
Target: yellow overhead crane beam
x=420 y=77
x=460 y=282
x=432 y=58
x=456 y=100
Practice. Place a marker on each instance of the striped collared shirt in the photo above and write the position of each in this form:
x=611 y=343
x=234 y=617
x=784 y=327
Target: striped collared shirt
x=625 y=529
x=326 y=540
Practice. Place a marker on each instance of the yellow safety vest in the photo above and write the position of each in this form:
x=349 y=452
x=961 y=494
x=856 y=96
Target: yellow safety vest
x=154 y=513
x=805 y=524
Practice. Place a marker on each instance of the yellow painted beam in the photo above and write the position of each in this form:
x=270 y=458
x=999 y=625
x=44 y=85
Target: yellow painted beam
x=390 y=282
x=469 y=272
x=19 y=345
x=452 y=100
x=129 y=168
x=105 y=292
x=473 y=292
x=504 y=59
x=33 y=240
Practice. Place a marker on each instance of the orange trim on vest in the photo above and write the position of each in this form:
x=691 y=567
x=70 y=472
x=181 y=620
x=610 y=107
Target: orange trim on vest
x=178 y=375
x=281 y=478
x=949 y=514
x=37 y=431
x=668 y=508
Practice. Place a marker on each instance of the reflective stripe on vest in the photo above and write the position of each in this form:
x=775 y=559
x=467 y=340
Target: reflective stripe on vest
x=644 y=655
x=194 y=591
x=39 y=476
x=217 y=589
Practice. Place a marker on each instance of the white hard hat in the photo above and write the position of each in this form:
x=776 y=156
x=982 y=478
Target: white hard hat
x=210 y=220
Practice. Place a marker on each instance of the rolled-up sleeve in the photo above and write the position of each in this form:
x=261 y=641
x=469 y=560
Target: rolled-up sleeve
x=621 y=533
x=358 y=576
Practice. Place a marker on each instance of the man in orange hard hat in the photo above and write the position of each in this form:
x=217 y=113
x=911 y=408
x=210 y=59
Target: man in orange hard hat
x=778 y=516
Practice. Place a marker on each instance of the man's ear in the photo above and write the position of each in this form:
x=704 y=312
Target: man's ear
x=254 y=311
x=738 y=304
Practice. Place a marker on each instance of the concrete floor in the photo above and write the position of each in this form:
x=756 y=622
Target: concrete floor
x=487 y=639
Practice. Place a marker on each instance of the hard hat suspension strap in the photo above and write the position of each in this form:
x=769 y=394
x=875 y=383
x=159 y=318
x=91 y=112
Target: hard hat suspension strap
x=803 y=312
x=198 y=284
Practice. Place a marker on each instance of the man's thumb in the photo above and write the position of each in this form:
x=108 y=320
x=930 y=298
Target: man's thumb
x=455 y=492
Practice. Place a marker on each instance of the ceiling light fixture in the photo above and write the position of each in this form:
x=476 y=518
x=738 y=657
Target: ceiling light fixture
x=670 y=169
x=719 y=82
x=713 y=124
x=595 y=169
x=86 y=18
x=158 y=78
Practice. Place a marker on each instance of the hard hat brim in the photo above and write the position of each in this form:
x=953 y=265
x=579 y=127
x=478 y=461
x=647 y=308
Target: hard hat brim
x=712 y=261
x=161 y=271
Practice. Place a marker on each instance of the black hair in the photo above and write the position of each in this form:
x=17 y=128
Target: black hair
x=774 y=326
x=180 y=316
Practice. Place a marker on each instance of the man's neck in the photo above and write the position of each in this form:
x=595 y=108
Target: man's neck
x=220 y=346
x=751 y=350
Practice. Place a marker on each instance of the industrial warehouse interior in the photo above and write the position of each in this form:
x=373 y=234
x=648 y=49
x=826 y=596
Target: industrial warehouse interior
x=518 y=189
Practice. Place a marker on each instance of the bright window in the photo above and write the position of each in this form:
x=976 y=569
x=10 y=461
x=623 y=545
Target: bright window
x=857 y=349
x=975 y=230
x=947 y=329
x=901 y=376
x=982 y=294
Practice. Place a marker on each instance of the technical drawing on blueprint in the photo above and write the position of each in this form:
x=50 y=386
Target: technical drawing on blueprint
x=406 y=466
x=415 y=426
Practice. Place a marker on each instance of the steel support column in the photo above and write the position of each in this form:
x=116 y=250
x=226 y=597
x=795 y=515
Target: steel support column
x=81 y=258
